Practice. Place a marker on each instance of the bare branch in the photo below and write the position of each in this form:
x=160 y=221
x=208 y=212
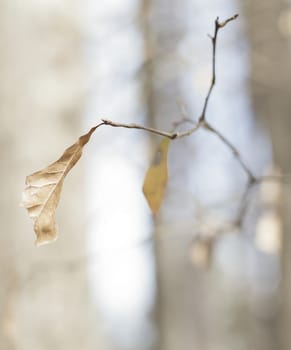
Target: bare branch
x=234 y=150
x=218 y=25
x=224 y=23
x=243 y=206
x=170 y=135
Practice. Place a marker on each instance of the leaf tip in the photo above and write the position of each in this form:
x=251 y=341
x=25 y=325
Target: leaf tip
x=43 y=240
x=45 y=232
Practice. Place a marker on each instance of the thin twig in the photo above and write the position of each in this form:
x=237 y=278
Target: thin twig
x=218 y=25
x=170 y=135
x=243 y=206
x=234 y=150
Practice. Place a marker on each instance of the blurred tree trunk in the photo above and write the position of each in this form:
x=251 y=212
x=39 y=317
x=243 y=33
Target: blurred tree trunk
x=181 y=309
x=44 y=302
x=147 y=81
x=270 y=80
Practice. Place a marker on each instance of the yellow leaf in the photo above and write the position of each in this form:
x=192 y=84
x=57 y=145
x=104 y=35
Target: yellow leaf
x=156 y=177
x=43 y=189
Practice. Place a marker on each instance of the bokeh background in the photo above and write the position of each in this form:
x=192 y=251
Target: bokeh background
x=117 y=278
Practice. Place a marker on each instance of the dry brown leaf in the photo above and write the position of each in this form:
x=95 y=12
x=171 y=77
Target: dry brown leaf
x=43 y=189
x=156 y=177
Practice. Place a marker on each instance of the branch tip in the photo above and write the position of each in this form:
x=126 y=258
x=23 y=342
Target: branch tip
x=224 y=23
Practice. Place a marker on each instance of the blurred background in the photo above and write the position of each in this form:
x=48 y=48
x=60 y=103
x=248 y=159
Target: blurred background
x=118 y=278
